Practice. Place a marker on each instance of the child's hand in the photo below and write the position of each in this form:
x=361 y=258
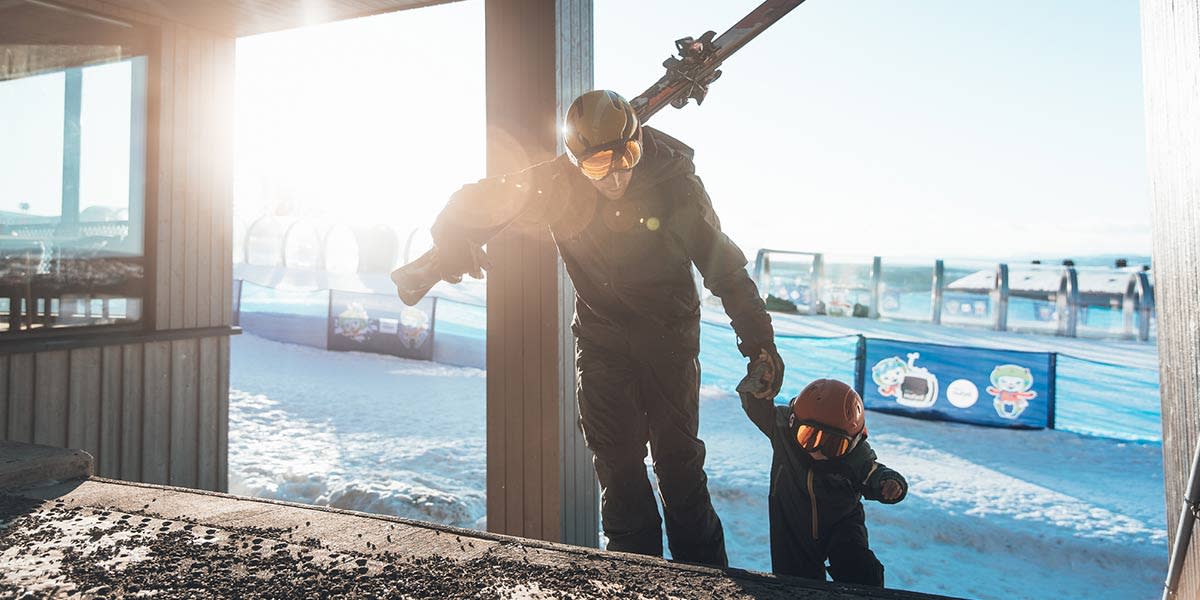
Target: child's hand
x=890 y=490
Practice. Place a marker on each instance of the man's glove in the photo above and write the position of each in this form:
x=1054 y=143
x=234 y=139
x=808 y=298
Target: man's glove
x=457 y=255
x=456 y=260
x=770 y=365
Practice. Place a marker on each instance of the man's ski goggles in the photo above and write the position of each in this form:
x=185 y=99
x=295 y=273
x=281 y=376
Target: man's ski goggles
x=831 y=442
x=618 y=156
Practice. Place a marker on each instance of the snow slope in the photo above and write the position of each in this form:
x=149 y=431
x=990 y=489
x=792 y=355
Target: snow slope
x=992 y=513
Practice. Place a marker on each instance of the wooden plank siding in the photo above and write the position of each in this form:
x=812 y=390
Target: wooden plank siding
x=581 y=514
x=156 y=418
x=222 y=483
x=1171 y=72
x=208 y=401
x=108 y=457
x=51 y=379
x=130 y=467
x=183 y=450
x=532 y=447
x=94 y=399
x=20 y=398
x=162 y=107
x=83 y=411
x=3 y=395
x=173 y=241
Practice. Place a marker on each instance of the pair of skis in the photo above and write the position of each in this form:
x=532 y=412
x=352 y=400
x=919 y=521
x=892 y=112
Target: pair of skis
x=688 y=77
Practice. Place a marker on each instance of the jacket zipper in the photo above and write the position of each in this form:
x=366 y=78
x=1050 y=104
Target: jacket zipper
x=812 y=497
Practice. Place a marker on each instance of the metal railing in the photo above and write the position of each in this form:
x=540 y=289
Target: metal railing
x=799 y=279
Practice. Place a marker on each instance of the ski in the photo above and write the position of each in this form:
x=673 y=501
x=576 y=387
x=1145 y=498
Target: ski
x=698 y=64
x=688 y=77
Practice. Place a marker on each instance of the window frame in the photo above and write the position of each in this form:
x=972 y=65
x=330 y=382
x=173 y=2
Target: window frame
x=139 y=44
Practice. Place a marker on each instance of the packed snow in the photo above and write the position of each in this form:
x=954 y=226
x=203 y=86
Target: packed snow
x=992 y=513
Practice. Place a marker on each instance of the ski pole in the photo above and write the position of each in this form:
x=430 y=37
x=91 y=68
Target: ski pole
x=1183 y=533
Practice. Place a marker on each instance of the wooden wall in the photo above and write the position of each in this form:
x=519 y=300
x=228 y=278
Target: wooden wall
x=192 y=179
x=579 y=488
x=540 y=480
x=155 y=412
x=1171 y=71
x=154 y=406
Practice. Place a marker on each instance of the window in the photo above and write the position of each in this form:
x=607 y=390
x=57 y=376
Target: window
x=72 y=202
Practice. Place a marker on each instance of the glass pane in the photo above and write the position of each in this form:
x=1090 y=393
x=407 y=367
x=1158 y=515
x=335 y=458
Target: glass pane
x=1109 y=301
x=906 y=289
x=785 y=279
x=302 y=246
x=71 y=202
x=341 y=250
x=846 y=286
x=967 y=296
x=264 y=241
x=104 y=198
x=1033 y=297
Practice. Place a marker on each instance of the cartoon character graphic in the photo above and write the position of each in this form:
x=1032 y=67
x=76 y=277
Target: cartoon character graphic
x=353 y=323
x=1010 y=390
x=414 y=327
x=909 y=384
x=888 y=374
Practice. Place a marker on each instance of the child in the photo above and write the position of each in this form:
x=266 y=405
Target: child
x=821 y=469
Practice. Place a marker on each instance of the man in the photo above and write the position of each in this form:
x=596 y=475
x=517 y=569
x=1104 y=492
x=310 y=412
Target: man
x=629 y=217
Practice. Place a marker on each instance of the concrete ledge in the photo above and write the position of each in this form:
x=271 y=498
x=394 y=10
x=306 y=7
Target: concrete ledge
x=25 y=465
x=110 y=538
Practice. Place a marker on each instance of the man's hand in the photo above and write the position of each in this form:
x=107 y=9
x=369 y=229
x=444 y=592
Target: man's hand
x=457 y=259
x=773 y=373
x=890 y=490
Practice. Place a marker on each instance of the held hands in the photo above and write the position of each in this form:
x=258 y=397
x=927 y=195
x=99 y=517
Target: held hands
x=770 y=365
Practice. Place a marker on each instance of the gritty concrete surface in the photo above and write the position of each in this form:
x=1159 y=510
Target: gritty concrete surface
x=102 y=538
x=22 y=465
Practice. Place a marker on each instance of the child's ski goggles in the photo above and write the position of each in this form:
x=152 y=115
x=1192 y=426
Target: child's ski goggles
x=621 y=155
x=832 y=442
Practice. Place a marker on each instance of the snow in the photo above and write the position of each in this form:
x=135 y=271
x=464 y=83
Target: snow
x=992 y=513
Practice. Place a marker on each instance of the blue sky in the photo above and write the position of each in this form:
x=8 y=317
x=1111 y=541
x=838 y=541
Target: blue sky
x=918 y=128
x=853 y=127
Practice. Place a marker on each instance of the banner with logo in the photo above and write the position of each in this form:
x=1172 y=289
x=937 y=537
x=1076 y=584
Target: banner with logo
x=381 y=324
x=1002 y=388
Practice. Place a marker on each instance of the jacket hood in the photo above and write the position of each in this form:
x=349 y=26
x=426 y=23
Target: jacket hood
x=663 y=158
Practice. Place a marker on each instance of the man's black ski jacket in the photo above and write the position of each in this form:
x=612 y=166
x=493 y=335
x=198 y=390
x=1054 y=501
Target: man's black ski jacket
x=629 y=259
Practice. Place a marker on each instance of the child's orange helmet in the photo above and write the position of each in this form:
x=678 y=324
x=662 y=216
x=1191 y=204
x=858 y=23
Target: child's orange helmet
x=831 y=403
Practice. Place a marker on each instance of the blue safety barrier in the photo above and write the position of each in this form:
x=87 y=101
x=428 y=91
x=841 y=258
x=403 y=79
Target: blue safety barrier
x=381 y=324
x=982 y=386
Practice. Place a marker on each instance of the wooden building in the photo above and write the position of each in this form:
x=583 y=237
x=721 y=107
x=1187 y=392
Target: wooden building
x=134 y=368
x=118 y=343
x=1171 y=72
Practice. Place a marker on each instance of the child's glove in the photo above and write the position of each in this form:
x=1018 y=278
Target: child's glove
x=891 y=490
x=885 y=485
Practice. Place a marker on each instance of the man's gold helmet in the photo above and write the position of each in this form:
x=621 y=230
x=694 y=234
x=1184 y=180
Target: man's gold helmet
x=602 y=134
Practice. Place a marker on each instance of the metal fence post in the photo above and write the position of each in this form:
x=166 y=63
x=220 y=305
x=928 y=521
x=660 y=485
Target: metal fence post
x=876 y=284
x=1145 y=305
x=1129 y=308
x=1000 y=299
x=818 y=274
x=939 y=287
x=1067 y=302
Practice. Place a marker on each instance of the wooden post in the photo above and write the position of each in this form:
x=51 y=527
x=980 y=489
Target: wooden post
x=1171 y=72
x=540 y=480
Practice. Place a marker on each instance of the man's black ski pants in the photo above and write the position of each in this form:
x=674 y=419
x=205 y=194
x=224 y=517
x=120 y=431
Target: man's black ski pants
x=623 y=404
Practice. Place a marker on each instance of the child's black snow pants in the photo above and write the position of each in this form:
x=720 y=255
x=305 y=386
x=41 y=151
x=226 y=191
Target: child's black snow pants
x=843 y=543
x=623 y=404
